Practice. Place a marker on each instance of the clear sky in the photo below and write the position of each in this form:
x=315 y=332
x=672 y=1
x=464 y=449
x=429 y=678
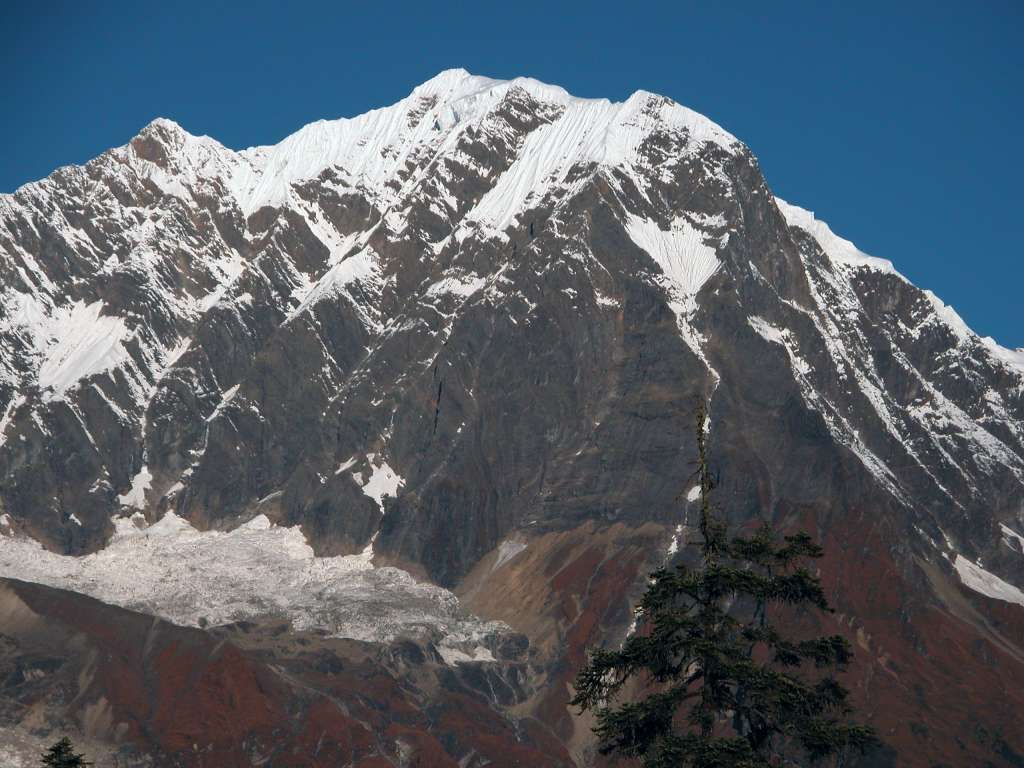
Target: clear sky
x=899 y=123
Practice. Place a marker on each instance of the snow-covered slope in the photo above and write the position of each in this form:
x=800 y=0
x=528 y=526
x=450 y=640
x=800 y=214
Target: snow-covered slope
x=373 y=148
x=842 y=251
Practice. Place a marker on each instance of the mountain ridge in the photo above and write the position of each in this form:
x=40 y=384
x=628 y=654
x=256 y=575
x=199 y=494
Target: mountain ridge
x=452 y=83
x=461 y=359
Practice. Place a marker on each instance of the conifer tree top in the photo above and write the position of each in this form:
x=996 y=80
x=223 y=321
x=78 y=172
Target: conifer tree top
x=730 y=688
x=62 y=755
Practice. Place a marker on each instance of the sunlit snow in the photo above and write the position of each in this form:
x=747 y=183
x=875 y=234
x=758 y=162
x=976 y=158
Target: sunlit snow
x=372 y=147
x=681 y=252
x=383 y=481
x=78 y=341
x=977 y=578
x=193 y=578
x=136 y=495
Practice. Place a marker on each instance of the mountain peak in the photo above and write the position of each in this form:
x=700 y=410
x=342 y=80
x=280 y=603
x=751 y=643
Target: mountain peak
x=165 y=131
x=162 y=125
x=372 y=147
x=158 y=141
x=444 y=80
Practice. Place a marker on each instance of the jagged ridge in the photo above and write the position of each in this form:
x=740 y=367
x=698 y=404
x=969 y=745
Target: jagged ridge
x=461 y=328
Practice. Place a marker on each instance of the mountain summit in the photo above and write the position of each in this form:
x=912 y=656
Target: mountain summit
x=423 y=379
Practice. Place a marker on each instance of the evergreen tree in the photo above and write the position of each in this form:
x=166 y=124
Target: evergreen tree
x=62 y=755
x=730 y=688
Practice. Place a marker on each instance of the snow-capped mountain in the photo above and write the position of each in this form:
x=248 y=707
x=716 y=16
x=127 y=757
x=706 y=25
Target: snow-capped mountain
x=442 y=358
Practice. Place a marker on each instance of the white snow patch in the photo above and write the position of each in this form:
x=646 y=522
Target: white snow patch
x=685 y=259
x=190 y=577
x=229 y=394
x=13 y=406
x=345 y=465
x=176 y=352
x=507 y=550
x=767 y=331
x=225 y=399
x=981 y=581
x=361 y=268
x=453 y=655
x=686 y=262
x=693 y=494
x=77 y=341
x=457 y=286
x=588 y=131
x=230 y=269
x=383 y=481
x=136 y=495
x=677 y=539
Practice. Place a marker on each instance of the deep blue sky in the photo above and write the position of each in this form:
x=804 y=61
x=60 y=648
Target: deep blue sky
x=898 y=123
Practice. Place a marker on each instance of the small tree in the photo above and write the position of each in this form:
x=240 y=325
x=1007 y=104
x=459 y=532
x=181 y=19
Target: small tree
x=62 y=755
x=728 y=684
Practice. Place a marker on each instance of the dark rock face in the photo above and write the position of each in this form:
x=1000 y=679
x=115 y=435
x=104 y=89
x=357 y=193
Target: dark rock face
x=514 y=300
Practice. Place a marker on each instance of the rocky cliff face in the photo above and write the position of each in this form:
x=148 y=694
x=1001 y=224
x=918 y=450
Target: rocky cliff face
x=462 y=337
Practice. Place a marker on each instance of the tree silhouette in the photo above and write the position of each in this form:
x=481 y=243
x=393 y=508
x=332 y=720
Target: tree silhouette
x=730 y=688
x=62 y=755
